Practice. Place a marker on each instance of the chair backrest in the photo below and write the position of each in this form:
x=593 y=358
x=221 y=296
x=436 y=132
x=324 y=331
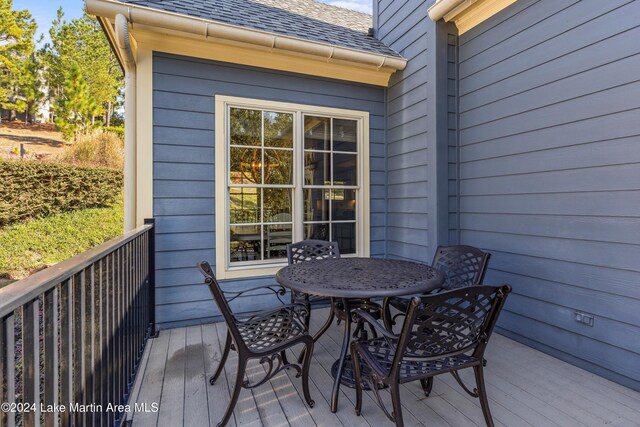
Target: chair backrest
x=450 y=323
x=462 y=265
x=221 y=302
x=308 y=250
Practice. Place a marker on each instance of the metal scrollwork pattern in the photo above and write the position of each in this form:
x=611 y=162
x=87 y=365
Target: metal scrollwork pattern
x=273 y=365
x=360 y=277
x=265 y=331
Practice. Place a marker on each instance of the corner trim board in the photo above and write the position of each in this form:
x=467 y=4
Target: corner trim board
x=466 y=14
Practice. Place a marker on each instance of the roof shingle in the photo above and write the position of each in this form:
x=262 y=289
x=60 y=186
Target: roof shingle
x=303 y=19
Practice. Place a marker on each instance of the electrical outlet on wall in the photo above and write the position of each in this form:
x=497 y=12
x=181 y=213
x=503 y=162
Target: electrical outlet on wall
x=585 y=318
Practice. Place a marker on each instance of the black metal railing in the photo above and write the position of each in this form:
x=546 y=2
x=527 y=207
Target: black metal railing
x=71 y=336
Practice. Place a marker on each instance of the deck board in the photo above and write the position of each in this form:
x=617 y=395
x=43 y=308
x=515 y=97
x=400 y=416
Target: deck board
x=525 y=387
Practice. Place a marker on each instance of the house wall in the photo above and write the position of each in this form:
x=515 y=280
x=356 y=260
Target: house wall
x=416 y=202
x=549 y=157
x=183 y=170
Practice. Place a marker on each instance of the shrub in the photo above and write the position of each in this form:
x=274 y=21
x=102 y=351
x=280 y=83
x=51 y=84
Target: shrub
x=118 y=130
x=33 y=245
x=36 y=189
x=96 y=148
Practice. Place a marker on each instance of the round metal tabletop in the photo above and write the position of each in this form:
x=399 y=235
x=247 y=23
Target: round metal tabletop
x=359 y=277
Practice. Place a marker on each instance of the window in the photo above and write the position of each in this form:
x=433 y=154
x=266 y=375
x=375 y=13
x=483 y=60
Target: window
x=289 y=172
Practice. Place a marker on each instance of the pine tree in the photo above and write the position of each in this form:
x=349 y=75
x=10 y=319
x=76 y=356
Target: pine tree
x=82 y=41
x=17 y=29
x=74 y=106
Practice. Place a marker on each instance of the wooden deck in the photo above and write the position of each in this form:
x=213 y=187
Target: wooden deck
x=526 y=388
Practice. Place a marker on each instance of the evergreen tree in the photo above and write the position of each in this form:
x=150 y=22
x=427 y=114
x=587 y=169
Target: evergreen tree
x=17 y=29
x=74 y=106
x=82 y=42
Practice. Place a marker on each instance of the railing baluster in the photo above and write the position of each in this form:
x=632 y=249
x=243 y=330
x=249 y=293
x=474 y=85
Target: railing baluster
x=3 y=365
x=128 y=315
x=97 y=342
x=31 y=362
x=8 y=368
x=151 y=274
x=120 y=337
x=111 y=335
x=79 y=345
x=139 y=325
x=65 y=302
x=104 y=333
x=89 y=326
x=50 y=326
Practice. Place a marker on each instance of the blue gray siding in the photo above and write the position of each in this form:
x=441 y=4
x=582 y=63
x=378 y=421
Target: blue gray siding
x=183 y=184
x=413 y=199
x=550 y=174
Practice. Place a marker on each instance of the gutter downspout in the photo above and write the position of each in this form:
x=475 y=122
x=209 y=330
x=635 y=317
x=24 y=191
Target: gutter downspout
x=124 y=45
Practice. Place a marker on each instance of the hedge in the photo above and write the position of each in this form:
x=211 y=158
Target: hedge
x=30 y=189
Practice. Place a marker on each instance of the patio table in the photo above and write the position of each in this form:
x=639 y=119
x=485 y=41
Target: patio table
x=349 y=277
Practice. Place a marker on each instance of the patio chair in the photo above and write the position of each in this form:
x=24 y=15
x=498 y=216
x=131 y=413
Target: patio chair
x=462 y=266
x=444 y=332
x=307 y=250
x=264 y=336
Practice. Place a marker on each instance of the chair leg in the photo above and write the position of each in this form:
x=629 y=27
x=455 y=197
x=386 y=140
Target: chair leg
x=242 y=365
x=427 y=386
x=386 y=315
x=308 y=354
x=223 y=359
x=482 y=395
x=397 y=407
x=283 y=355
x=355 y=360
x=320 y=332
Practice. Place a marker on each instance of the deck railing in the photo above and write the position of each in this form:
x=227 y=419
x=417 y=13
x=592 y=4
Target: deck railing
x=71 y=336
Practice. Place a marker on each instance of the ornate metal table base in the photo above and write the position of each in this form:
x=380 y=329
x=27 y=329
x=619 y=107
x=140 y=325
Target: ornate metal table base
x=348 y=375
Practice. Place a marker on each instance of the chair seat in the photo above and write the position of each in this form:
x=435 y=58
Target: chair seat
x=379 y=353
x=266 y=330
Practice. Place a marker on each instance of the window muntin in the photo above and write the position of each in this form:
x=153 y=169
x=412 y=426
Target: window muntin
x=331 y=180
x=260 y=241
x=260 y=184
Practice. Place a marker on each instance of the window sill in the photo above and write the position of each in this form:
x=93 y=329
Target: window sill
x=248 y=271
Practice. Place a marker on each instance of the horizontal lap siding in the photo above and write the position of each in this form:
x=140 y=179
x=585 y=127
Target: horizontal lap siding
x=550 y=173
x=404 y=26
x=184 y=171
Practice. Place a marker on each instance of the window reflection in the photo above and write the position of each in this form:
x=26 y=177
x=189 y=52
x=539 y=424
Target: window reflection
x=245 y=243
x=317 y=133
x=343 y=205
x=345 y=169
x=316 y=204
x=278 y=167
x=278 y=130
x=345 y=235
x=277 y=204
x=244 y=205
x=345 y=135
x=277 y=237
x=245 y=127
x=317 y=168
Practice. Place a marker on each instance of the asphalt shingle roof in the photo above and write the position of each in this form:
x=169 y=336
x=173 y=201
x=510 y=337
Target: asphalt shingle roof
x=303 y=19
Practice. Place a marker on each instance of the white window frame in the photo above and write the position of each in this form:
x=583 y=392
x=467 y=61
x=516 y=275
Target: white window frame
x=222 y=105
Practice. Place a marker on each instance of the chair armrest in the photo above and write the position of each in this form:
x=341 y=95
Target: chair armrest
x=366 y=317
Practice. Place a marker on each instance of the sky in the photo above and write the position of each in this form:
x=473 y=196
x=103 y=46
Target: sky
x=44 y=11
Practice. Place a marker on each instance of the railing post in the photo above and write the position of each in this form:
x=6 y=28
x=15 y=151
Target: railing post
x=151 y=257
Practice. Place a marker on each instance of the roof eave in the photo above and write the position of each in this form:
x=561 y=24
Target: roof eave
x=211 y=30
